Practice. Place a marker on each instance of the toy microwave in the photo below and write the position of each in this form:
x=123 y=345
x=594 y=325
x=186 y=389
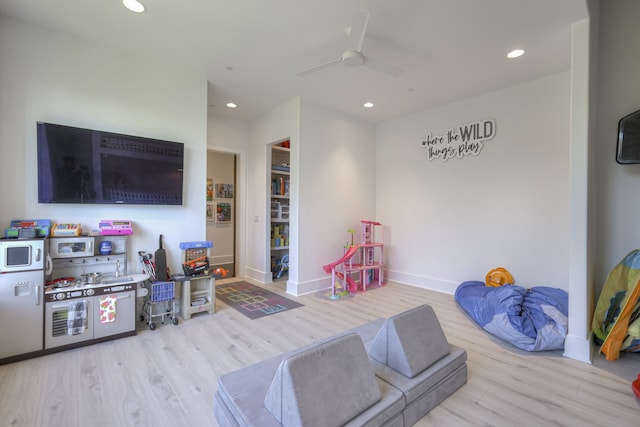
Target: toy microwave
x=70 y=247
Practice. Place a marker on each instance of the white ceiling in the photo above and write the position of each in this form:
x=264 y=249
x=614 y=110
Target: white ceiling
x=251 y=50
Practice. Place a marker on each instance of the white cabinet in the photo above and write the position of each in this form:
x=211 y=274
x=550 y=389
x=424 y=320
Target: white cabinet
x=20 y=313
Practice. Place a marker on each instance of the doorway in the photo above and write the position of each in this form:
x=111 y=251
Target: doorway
x=221 y=210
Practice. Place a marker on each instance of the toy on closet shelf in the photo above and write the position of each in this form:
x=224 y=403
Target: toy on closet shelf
x=360 y=266
x=282 y=267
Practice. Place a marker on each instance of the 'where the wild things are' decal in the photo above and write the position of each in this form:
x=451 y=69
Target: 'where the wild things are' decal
x=465 y=140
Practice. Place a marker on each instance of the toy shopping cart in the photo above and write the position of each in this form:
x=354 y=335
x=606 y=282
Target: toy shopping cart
x=159 y=302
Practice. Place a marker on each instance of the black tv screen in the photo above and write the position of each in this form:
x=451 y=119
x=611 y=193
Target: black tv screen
x=88 y=166
x=628 y=148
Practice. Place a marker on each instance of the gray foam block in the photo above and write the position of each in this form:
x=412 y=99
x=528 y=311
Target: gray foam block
x=326 y=385
x=410 y=342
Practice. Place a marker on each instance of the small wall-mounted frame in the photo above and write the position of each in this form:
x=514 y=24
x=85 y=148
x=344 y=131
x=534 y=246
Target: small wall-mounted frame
x=224 y=212
x=209 y=212
x=209 y=190
x=628 y=149
x=223 y=191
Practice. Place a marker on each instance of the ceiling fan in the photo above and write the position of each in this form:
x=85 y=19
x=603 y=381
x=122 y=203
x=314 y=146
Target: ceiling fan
x=353 y=56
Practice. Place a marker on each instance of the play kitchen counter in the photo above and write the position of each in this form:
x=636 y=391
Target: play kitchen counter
x=88 y=296
x=89 y=313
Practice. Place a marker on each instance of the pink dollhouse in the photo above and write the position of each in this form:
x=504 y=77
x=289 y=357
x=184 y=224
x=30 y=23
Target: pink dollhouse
x=362 y=264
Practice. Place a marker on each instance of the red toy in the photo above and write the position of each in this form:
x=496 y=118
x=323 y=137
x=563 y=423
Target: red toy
x=635 y=386
x=221 y=272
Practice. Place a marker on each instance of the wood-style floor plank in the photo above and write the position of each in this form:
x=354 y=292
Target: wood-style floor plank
x=167 y=377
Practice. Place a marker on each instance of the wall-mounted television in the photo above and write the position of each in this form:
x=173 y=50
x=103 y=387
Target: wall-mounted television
x=88 y=166
x=628 y=148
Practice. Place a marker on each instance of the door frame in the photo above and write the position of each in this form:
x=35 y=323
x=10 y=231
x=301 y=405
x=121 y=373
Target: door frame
x=240 y=206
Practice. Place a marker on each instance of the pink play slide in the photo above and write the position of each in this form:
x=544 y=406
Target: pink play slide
x=353 y=286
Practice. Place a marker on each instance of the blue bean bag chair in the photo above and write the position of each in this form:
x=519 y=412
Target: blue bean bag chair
x=533 y=319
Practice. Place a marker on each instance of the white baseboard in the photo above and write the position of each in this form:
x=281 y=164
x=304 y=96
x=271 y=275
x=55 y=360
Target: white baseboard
x=578 y=348
x=430 y=283
x=322 y=284
x=304 y=288
x=260 y=276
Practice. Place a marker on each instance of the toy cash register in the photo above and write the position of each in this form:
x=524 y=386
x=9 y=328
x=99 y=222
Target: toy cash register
x=110 y=227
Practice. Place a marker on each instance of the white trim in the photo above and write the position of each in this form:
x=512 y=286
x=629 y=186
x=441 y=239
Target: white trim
x=578 y=348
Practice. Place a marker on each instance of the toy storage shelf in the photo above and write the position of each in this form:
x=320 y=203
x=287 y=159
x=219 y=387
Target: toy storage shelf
x=198 y=286
x=96 y=263
x=279 y=208
x=197 y=295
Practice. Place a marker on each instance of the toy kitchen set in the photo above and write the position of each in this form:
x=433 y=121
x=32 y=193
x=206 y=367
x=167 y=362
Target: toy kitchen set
x=60 y=289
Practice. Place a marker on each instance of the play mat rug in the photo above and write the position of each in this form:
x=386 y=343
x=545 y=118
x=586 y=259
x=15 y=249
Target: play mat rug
x=253 y=301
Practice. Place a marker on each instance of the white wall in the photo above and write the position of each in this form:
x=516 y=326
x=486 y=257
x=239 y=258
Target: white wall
x=332 y=187
x=225 y=135
x=508 y=206
x=618 y=207
x=274 y=126
x=55 y=78
x=336 y=188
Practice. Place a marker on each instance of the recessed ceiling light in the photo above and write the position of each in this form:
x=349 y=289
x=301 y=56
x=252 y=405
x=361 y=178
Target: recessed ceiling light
x=515 y=53
x=133 y=5
x=231 y=105
x=368 y=105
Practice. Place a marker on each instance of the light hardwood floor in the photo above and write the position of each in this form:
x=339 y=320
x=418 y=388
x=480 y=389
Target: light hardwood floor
x=167 y=377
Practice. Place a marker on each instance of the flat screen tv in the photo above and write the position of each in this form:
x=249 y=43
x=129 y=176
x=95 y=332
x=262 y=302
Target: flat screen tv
x=88 y=166
x=628 y=149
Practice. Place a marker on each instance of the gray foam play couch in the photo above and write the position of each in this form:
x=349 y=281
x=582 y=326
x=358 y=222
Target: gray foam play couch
x=388 y=372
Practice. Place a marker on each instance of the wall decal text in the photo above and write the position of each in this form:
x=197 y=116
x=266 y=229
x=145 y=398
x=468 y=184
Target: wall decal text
x=466 y=140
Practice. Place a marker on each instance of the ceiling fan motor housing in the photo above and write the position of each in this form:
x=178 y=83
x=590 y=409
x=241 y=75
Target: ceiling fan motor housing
x=352 y=58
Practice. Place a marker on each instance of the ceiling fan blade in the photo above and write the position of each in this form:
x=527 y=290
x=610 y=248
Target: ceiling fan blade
x=358 y=29
x=316 y=68
x=383 y=67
